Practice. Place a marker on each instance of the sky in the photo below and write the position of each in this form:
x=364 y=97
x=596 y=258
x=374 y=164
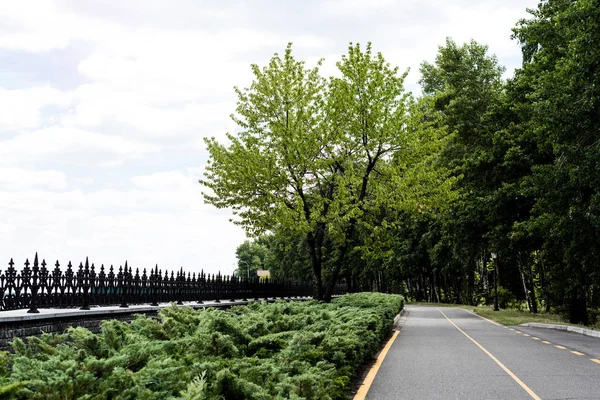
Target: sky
x=104 y=105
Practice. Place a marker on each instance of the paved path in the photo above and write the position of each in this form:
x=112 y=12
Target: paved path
x=449 y=353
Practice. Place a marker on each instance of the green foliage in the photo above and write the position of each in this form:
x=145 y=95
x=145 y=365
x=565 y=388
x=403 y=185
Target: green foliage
x=505 y=298
x=261 y=351
x=319 y=158
x=252 y=256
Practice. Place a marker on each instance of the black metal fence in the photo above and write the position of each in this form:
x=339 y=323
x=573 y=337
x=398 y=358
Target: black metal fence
x=38 y=286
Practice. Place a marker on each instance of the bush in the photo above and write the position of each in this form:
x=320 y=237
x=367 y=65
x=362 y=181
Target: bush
x=260 y=351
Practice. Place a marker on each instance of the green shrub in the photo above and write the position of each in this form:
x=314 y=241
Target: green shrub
x=261 y=351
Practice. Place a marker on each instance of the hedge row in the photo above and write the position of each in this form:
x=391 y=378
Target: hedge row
x=260 y=351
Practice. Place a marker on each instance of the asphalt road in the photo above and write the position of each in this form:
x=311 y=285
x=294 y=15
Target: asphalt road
x=448 y=353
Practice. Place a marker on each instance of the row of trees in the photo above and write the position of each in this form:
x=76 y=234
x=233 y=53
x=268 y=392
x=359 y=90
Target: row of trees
x=353 y=177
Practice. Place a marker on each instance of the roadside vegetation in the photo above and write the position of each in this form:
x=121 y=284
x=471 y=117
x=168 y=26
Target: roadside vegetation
x=283 y=350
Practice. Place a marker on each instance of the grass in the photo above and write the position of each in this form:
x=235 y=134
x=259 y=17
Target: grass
x=507 y=316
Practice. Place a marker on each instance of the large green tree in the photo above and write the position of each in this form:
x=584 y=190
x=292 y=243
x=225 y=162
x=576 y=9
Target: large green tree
x=462 y=88
x=321 y=157
x=561 y=51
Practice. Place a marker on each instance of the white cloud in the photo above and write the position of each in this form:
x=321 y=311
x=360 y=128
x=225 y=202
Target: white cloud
x=99 y=105
x=41 y=26
x=71 y=146
x=355 y=8
x=85 y=181
x=13 y=178
x=163 y=181
x=21 y=108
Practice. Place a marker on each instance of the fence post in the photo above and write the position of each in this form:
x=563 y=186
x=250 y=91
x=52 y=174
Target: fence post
x=58 y=290
x=85 y=284
x=121 y=277
x=179 y=282
x=102 y=290
x=44 y=283
x=135 y=292
x=93 y=285
x=154 y=286
x=194 y=287
x=232 y=287
x=201 y=287
x=144 y=288
x=34 y=287
x=217 y=287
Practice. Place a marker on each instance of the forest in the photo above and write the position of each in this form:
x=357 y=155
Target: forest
x=353 y=178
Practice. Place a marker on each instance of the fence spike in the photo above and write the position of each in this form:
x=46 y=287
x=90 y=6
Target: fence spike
x=34 y=286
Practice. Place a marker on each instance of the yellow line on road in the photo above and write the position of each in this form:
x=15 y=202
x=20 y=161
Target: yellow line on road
x=535 y=338
x=577 y=353
x=546 y=342
x=366 y=385
x=518 y=332
x=508 y=371
x=560 y=347
x=526 y=334
x=595 y=360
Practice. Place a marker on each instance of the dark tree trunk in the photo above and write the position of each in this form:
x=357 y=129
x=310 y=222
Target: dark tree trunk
x=534 y=307
x=525 y=291
x=459 y=291
x=578 y=307
x=543 y=283
x=340 y=261
x=423 y=288
x=434 y=296
x=471 y=287
x=317 y=266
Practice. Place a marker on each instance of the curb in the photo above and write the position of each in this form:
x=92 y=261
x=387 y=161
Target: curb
x=399 y=320
x=398 y=316
x=574 y=329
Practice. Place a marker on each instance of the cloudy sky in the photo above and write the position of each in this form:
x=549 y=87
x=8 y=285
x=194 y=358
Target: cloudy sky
x=104 y=104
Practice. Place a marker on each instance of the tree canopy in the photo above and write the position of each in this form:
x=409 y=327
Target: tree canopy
x=322 y=157
x=354 y=178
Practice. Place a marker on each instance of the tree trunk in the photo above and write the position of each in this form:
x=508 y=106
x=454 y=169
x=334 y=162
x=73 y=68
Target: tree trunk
x=423 y=287
x=520 y=266
x=471 y=287
x=434 y=296
x=578 y=307
x=534 y=307
x=458 y=290
x=316 y=262
x=543 y=282
x=340 y=261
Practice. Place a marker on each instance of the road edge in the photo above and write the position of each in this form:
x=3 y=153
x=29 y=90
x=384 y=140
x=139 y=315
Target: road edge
x=568 y=328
